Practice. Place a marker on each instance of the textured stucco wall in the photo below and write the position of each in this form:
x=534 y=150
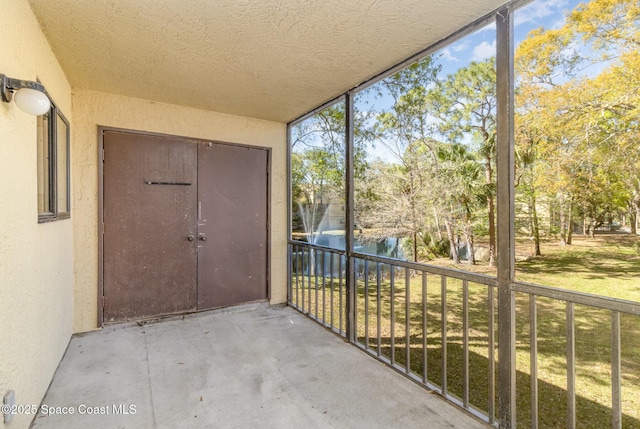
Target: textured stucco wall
x=36 y=275
x=92 y=109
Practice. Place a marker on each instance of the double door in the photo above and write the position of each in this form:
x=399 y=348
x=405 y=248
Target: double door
x=185 y=225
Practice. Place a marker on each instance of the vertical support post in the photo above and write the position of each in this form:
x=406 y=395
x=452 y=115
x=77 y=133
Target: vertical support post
x=505 y=218
x=289 y=216
x=492 y=355
x=349 y=221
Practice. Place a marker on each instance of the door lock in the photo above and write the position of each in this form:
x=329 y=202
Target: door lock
x=191 y=237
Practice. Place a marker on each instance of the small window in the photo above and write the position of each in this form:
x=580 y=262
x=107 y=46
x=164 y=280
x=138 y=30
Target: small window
x=53 y=166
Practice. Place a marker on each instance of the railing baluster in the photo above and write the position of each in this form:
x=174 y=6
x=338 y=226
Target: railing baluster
x=297 y=304
x=425 y=375
x=407 y=319
x=379 y=307
x=324 y=287
x=340 y=294
x=491 y=355
x=302 y=292
x=289 y=273
x=616 y=394
x=571 y=367
x=443 y=328
x=465 y=343
x=366 y=304
x=316 y=259
x=533 y=359
x=355 y=302
x=312 y=267
x=331 y=290
x=393 y=315
x=312 y=260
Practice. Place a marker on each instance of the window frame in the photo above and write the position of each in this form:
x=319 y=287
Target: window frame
x=50 y=146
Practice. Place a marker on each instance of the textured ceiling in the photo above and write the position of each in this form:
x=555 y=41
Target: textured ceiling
x=269 y=59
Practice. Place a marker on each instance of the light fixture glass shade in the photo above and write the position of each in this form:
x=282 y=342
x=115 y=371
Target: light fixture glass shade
x=32 y=101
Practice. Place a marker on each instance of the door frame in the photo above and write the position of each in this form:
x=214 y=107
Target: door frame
x=101 y=132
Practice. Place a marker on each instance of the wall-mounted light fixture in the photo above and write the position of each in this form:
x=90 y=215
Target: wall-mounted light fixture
x=31 y=97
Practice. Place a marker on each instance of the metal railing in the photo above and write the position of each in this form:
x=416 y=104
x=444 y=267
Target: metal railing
x=438 y=327
x=317 y=284
x=603 y=314
x=413 y=317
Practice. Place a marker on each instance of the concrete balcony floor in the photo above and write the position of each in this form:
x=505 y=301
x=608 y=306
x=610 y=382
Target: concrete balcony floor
x=255 y=367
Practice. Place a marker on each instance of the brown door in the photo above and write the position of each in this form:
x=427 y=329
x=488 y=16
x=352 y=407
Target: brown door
x=232 y=258
x=150 y=199
x=185 y=225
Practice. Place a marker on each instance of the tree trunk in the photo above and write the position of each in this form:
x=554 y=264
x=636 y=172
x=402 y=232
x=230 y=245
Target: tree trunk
x=452 y=242
x=471 y=252
x=592 y=229
x=584 y=225
x=491 y=213
x=437 y=219
x=414 y=216
x=563 y=225
x=535 y=228
x=570 y=222
x=551 y=217
x=632 y=222
x=635 y=219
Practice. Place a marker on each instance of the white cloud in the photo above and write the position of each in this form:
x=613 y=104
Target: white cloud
x=458 y=47
x=537 y=10
x=447 y=55
x=483 y=51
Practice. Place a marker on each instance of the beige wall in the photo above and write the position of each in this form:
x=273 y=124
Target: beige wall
x=92 y=109
x=36 y=275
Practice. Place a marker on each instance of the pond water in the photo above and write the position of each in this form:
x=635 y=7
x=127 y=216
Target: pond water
x=389 y=247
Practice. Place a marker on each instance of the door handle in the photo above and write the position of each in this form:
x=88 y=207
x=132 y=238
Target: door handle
x=202 y=237
x=191 y=237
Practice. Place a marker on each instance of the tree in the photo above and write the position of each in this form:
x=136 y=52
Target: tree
x=466 y=191
x=465 y=104
x=577 y=98
x=402 y=205
x=317 y=166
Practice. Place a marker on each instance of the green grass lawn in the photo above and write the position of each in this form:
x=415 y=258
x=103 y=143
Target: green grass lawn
x=605 y=265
